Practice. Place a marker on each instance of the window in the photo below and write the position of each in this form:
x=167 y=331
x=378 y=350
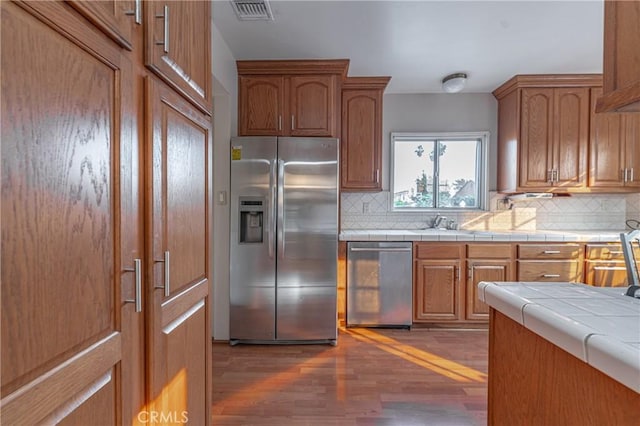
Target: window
x=438 y=170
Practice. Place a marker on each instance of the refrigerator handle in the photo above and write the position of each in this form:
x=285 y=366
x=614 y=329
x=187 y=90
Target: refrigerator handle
x=273 y=207
x=281 y=230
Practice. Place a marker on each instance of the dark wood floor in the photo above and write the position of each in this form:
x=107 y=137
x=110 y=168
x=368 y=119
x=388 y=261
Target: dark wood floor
x=372 y=377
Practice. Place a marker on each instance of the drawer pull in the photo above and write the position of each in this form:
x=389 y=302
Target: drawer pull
x=609 y=268
x=615 y=252
x=550 y=275
x=551 y=252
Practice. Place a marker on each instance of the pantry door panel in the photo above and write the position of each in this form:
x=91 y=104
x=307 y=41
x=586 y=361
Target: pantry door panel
x=61 y=347
x=180 y=340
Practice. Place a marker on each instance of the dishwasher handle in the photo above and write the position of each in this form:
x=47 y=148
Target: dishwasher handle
x=377 y=249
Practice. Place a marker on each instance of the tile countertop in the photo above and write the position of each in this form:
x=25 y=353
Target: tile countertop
x=598 y=325
x=485 y=236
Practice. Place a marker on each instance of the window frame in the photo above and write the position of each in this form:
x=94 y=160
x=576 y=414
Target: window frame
x=482 y=161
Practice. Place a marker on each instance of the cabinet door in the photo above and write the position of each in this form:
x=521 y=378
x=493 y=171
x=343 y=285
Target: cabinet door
x=483 y=270
x=179 y=338
x=570 y=137
x=115 y=18
x=607 y=154
x=62 y=346
x=177 y=47
x=260 y=106
x=313 y=108
x=437 y=290
x=361 y=158
x=536 y=151
x=631 y=128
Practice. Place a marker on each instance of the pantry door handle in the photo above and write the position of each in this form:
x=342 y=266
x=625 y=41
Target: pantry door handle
x=137 y=269
x=136 y=12
x=167 y=271
x=165 y=41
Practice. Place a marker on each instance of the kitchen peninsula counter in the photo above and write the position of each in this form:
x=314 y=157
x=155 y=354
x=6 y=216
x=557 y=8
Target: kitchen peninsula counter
x=478 y=236
x=562 y=353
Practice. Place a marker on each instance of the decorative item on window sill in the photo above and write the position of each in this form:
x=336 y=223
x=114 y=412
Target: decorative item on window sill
x=453 y=83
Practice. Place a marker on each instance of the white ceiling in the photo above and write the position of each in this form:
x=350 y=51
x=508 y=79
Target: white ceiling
x=419 y=42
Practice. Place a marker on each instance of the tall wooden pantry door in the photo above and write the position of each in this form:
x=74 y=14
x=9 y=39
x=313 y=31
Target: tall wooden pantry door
x=64 y=86
x=177 y=232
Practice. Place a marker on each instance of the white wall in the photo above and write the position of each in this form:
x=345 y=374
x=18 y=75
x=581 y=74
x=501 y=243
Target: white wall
x=225 y=94
x=460 y=112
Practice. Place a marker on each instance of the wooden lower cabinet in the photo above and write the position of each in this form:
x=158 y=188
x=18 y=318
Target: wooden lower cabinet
x=604 y=265
x=438 y=283
x=485 y=262
x=483 y=270
x=437 y=290
x=561 y=262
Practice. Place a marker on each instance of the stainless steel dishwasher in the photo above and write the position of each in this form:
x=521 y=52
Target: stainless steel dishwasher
x=379 y=284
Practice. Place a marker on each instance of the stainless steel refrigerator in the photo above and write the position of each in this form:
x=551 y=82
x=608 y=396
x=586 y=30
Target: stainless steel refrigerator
x=284 y=239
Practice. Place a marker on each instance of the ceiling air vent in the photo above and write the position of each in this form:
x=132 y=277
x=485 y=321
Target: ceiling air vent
x=252 y=10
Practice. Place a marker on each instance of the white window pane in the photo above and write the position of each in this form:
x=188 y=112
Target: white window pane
x=458 y=174
x=413 y=174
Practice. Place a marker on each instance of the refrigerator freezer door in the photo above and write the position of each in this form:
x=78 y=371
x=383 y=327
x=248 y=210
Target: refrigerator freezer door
x=252 y=272
x=307 y=238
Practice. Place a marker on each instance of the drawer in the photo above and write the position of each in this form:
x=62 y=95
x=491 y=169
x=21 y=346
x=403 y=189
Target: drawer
x=438 y=251
x=608 y=252
x=605 y=274
x=489 y=251
x=551 y=270
x=549 y=251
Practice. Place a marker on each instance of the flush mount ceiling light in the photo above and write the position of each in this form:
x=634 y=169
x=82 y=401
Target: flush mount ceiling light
x=454 y=83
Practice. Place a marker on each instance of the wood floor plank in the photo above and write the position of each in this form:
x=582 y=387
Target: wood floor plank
x=372 y=377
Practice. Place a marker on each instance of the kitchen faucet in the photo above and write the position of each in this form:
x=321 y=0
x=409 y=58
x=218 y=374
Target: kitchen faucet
x=437 y=221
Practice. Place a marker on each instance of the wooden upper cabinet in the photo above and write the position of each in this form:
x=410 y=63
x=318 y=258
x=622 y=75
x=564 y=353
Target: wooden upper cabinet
x=614 y=149
x=543 y=132
x=178 y=47
x=261 y=98
x=115 y=18
x=554 y=132
x=621 y=65
x=631 y=126
x=312 y=101
x=290 y=98
x=536 y=152
x=361 y=143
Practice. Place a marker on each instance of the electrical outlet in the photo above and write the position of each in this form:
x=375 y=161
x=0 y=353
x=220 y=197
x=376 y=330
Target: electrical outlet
x=365 y=207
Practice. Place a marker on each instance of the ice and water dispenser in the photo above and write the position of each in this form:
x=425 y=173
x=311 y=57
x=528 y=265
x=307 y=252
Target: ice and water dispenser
x=252 y=219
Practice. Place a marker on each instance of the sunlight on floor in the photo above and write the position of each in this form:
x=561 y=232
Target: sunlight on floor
x=277 y=381
x=443 y=366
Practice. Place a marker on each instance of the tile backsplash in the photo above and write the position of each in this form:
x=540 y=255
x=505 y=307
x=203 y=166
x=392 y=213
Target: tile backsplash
x=578 y=212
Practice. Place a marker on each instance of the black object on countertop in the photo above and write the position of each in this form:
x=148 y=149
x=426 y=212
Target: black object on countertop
x=633 y=275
